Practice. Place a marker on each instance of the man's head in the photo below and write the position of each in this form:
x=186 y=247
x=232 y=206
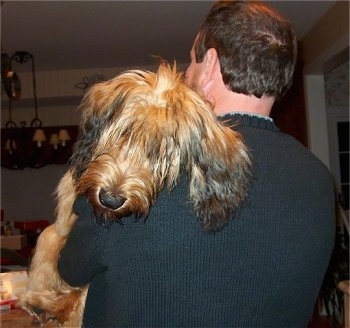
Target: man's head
x=255 y=46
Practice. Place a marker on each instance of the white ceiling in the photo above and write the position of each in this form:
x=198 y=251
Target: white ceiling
x=92 y=34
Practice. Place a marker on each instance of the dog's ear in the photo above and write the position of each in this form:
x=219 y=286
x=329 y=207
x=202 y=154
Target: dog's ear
x=98 y=107
x=217 y=159
x=220 y=168
x=100 y=110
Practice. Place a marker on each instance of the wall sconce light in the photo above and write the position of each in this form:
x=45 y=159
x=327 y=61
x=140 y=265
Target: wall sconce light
x=10 y=146
x=39 y=137
x=54 y=140
x=63 y=136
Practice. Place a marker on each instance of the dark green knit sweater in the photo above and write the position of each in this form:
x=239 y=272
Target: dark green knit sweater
x=264 y=269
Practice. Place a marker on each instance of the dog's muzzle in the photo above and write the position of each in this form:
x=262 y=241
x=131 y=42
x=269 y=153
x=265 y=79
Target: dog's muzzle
x=112 y=202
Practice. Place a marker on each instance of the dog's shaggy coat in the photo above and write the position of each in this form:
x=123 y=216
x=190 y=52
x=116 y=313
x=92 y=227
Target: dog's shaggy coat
x=138 y=133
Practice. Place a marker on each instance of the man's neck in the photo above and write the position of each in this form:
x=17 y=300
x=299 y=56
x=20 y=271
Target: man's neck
x=227 y=101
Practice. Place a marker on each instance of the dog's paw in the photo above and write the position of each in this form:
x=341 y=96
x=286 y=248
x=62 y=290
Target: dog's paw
x=40 y=317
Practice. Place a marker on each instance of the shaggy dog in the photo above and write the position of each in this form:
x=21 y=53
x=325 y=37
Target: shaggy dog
x=138 y=133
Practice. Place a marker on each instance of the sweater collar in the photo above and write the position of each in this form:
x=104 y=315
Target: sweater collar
x=249 y=119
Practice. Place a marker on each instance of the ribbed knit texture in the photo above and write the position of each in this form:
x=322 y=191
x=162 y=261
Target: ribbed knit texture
x=262 y=270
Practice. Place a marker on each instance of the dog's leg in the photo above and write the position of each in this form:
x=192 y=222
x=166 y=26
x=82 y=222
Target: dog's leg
x=46 y=291
x=66 y=195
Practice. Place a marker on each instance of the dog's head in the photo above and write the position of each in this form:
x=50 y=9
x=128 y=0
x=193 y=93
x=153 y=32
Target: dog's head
x=139 y=131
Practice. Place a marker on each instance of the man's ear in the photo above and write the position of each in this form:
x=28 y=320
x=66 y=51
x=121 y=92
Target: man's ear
x=210 y=62
x=210 y=66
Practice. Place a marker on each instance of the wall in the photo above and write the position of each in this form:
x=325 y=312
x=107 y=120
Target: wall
x=337 y=105
x=328 y=37
x=29 y=194
x=337 y=86
x=58 y=96
x=323 y=47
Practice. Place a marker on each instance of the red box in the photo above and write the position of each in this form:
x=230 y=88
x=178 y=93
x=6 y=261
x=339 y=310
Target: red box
x=36 y=226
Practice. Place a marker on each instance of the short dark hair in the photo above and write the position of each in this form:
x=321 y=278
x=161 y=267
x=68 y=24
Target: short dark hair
x=256 y=46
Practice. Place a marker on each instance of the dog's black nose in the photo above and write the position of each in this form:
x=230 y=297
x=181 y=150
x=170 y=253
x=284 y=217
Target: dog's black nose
x=112 y=202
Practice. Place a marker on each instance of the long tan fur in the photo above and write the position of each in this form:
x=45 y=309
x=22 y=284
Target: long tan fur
x=139 y=132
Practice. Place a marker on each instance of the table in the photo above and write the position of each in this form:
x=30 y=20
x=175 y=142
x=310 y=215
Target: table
x=19 y=318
